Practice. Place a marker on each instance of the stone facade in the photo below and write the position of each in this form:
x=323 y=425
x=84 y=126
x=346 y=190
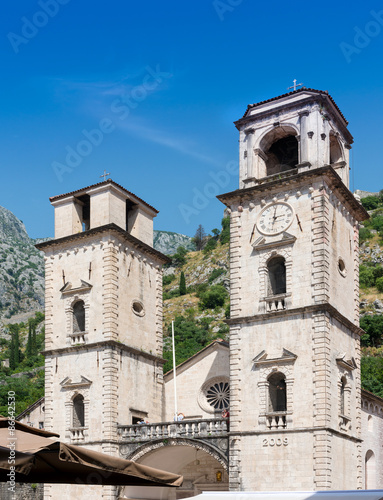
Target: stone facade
x=293 y=365
x=103 y=319
x=296 y=330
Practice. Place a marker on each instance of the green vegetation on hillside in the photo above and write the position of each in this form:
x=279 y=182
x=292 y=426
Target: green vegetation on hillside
x=23 y=352
x=372 y=371
x=371 y=288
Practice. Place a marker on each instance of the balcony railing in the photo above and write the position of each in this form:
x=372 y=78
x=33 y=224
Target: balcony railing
x=78 y=434
x=277 y=420
x=77 y=338
x=276 y=303
x=194 y=429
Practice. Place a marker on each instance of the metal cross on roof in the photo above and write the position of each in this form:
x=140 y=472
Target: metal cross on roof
x=295 y=85
x=105 y=175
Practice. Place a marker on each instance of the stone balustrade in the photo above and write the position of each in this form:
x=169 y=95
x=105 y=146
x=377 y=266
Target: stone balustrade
x=276 y=303
x=77 y=434
x=276 y=420
x=77 y=338
x=192 y=429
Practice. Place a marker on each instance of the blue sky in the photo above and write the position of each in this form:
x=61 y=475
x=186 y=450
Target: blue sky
x=156 y=87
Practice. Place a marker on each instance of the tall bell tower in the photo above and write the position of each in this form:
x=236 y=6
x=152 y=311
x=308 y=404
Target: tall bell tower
x=294 y=325
x=103 y=357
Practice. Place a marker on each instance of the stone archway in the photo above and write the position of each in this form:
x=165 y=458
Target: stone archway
x=204 y=467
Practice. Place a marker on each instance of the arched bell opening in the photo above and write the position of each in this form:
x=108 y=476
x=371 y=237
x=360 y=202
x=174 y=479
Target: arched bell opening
x=281 y=148
x=336 y=153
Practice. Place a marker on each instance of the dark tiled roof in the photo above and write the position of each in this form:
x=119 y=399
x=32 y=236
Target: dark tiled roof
x=370 y=395
x=303 y=89
x=109 y=181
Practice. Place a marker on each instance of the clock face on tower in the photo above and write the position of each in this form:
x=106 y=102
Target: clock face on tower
x=275 y=218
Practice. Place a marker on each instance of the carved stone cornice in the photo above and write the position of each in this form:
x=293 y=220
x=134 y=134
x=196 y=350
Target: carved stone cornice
x=324 y=308
x=106 y=344
x=267 y=184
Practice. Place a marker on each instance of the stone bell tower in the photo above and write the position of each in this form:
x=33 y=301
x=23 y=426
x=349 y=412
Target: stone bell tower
x=103 y=319
x=294 y=326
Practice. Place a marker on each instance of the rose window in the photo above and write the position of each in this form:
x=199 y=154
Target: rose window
x=218 y=395
x=214 y=395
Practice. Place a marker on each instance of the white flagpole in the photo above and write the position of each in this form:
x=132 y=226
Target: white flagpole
x=174 y=375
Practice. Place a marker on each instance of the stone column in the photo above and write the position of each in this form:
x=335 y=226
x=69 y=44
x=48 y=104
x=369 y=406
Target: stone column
x=304 y=149
x=250 y=153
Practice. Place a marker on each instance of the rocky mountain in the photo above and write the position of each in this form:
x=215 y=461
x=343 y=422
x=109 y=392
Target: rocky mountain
x=168 y=242
x=21 y=268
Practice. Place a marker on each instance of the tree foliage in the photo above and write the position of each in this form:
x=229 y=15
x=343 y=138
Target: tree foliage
x=373 y=326
x=369 y=275
x=179 y=258
x=224 y=237
x=199 y=238
x=182 y=284
x=190 y=337
x=370 y=202
x=372 y=374
x=213 y=297
x=27 y=392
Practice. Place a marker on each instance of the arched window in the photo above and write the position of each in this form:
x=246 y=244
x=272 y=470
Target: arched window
x=277 y=276
x=335 y=150
x=280 y=146
x=78 y=411
x=78 y=317
x=277 y=393
x=342 y=395
x=370 y=471
x=282 y=155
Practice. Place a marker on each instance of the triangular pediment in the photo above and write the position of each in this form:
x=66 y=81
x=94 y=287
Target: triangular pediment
x=348 y=364
x=83 y=286
x=66 y=287
x=68 y=383
x=262 y=243
x=286 y=357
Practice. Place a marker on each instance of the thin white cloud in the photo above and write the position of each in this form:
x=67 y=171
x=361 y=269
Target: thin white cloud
x=163 y=138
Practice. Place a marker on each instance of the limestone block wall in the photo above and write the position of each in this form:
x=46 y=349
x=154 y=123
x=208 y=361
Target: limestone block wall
x=249 y=271
x=107 y=206
x=139 y=299
x=122 y=280
x=271 y=336
x=372 y=435
x=82 y=260
x=320 y=253
x=140 y=225
x=343 y=257
x=115 y=384
x=277 y=462
x=68 y=215
x=140 y=388
x=193 y=377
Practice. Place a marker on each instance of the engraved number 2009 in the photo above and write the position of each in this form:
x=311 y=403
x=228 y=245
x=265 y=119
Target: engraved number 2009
x=275 y=442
